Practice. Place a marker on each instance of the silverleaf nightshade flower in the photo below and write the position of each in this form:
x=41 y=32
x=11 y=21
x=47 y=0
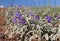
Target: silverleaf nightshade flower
x=19 y=19
x=17 y=14
x=37 y=17
x=48 y=18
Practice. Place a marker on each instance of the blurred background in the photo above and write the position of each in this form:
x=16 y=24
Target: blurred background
x=40 y=3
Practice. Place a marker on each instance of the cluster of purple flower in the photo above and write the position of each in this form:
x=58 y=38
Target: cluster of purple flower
x=49 y=18
x=18 y=18
x=36 y=16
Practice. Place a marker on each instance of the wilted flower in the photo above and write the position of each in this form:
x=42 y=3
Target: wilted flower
x=23 y=21
x=14 y=20
x=58 y=17
x=31 y=14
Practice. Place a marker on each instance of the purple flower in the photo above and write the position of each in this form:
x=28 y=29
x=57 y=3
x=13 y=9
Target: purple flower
x=48 y=18
x=20 y=17
x=17 y=14
x=37 y=17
